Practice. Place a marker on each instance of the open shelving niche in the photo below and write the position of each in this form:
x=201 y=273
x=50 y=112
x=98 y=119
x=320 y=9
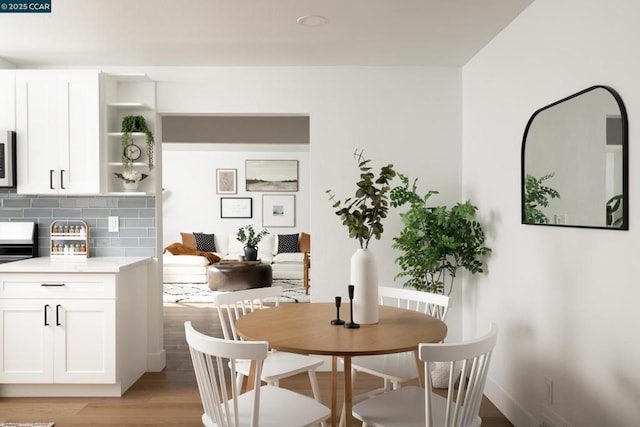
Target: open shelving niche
x=129 y=94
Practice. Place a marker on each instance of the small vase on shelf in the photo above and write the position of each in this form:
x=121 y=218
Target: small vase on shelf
x=130 y=179
x=130 y=186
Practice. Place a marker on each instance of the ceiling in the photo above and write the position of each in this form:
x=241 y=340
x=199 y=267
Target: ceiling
x=253 y=32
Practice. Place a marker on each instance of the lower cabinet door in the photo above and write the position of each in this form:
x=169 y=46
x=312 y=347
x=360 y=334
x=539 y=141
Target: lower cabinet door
x=57 y=341
x=26 y=337
x=85 y=342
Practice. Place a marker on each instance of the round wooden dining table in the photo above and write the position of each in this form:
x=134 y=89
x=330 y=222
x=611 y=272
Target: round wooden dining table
x=307 y=329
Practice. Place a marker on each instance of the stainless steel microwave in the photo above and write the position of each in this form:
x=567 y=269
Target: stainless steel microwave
x=8 y=159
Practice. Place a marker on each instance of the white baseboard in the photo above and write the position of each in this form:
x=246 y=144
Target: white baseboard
x=514 y=412
x=156 y=362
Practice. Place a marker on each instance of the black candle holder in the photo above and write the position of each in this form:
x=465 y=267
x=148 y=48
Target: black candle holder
x=337 y=320
x=351 y=324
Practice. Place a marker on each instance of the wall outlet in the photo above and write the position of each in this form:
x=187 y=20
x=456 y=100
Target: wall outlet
x=548 y=391
x=114 y=224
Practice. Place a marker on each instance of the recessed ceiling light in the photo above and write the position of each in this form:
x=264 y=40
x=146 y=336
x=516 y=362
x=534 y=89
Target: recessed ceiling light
x=312 y=20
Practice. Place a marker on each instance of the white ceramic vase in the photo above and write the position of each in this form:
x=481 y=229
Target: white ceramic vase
x=130 y=186
x=364 y=278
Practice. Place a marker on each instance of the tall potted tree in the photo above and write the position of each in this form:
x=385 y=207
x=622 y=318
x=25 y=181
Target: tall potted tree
x=363 y=215
x=436 y=241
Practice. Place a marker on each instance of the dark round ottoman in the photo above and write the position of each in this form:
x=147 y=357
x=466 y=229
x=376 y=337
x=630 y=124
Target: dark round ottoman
x=238 y=276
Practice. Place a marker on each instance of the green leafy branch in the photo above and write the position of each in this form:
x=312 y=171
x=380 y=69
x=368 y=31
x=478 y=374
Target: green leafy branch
x=436 y=241
x=363 y=214
x=536 y=196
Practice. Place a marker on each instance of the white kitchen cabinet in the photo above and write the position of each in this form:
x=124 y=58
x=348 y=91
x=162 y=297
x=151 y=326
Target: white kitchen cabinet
x=73 y=333
x=58 y=341
x=58 y=128
x=7 y=94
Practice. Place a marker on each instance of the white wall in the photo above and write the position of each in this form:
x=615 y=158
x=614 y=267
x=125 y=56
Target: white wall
x=406 y=116
x=190 y=202
x=565 y=299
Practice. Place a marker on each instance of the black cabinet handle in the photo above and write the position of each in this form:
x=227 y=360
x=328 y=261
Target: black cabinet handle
x=62 y=179
x=52 y=284
x=58 y=315
x=46 y=309
x=51 y=179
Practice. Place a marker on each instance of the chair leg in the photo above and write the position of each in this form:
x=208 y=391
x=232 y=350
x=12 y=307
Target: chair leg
x=239 y=381
x=313 y=379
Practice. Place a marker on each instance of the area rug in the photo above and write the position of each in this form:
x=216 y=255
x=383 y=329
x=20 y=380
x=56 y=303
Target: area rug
x=292 y=292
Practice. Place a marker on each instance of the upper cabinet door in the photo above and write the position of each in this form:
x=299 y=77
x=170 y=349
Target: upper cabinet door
x=79 y=155
x=58 y=131
x=37 y=132
x=7 y=94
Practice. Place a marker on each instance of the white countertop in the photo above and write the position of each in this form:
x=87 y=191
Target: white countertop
x=62 y=265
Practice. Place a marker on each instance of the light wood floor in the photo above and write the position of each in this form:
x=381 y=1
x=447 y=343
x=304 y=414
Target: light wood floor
x=169 y=398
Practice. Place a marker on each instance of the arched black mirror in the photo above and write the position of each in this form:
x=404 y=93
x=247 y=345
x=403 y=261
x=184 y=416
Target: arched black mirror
x=575 y=162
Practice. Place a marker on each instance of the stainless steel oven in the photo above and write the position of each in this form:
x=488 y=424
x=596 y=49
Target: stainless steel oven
x=18 y=241
x=8 y=159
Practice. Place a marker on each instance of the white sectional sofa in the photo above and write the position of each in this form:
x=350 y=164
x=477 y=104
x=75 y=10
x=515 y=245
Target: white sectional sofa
x=284 y=265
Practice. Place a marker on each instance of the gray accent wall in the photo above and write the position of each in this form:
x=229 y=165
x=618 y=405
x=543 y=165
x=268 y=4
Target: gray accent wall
x=137 y=218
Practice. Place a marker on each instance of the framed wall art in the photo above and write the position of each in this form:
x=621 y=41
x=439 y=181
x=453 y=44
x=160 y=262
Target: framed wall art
x=278 y=210
x=236 y=207
x=226 y=180
x=271 y=175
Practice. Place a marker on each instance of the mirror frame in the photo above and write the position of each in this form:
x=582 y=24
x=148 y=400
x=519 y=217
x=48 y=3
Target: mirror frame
x=625 y=160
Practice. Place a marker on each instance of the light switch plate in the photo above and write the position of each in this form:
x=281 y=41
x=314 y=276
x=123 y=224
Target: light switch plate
x=114 y=225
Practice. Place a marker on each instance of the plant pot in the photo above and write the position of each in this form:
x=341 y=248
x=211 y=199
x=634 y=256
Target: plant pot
x=250 y=253
x=440 y=374
x=364 y=278
x=130 y=186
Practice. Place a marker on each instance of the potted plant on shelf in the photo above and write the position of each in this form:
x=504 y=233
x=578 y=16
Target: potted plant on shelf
x=436 y=241
x=363 y=215
x=130 y=178
x=250 y=238
x=133 y=124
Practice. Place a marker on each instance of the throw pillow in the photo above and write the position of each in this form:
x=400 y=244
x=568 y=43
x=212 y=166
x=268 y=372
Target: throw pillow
x=188 y=240
x=205 y=242
x=287 y=243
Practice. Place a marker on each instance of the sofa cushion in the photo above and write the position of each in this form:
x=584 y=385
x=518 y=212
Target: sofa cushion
x=205 y=242
x=222 y=243
x=265 y=248
x=289 y=257
x=287 y=243
x=188 y=239
x=191 y=260
x=235 y=246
